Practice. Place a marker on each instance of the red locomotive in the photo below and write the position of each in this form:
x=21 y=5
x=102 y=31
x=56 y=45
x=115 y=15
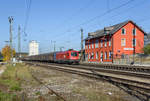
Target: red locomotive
x=69 y=56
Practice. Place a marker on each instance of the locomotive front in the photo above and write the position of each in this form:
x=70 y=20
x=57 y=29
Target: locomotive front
x=74 y=56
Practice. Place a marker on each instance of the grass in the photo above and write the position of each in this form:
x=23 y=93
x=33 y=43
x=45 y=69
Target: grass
x=8 y=97
x=14 y=78
x=38 y=93
x=9 y=78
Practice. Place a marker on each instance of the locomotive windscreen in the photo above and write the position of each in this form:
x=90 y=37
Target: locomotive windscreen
x=74 y=54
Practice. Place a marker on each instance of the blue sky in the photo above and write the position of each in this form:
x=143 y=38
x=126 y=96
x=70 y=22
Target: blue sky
x=61 y=20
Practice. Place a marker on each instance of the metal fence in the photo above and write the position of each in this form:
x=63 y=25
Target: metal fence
x=139 y=59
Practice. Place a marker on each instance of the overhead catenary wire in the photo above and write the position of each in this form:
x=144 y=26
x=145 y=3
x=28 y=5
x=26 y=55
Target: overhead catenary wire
x=27 y=13
x=108 y=11
x=122 y=12
x=94 y=18
x=129 y=9
x=71 y=30
x=83 y=8
x=28 y=9
x=101 y=15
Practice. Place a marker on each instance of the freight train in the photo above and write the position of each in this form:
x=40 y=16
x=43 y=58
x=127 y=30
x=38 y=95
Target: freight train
x=69 y=56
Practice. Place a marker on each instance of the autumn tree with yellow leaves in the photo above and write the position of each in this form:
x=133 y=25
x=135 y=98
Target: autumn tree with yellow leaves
x=6 y=52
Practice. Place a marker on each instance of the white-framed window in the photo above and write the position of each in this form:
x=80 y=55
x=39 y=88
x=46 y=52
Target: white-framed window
x=101 y=56
x=123 y=31
x=92 y=55
x=101 y=43
x=109 y=42
x=133 y=42
x=89 y=45
x=105 y=55
x=96 y=43
x=109 y=54
x=105 y=42
x=123 y=42
x=92 y=44
x=134 y=31
x=89 y=56
x=97 y=55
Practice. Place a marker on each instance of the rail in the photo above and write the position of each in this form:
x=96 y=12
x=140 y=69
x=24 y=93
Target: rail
x=40 y=82
x=139 y=89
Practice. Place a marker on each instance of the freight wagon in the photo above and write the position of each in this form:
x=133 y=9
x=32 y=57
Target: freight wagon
x=70 y=56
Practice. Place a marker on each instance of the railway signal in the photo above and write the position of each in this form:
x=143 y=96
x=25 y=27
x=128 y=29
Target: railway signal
x=81 y=44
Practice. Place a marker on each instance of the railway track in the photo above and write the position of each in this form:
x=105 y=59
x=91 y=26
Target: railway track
x=132 y=68
x=144 y=69
x=137 y=88
x=40 y=82
x=107 y=70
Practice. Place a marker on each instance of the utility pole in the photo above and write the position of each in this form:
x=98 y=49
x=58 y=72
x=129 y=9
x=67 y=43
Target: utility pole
x=19 y=42
x=81 y=44
x=54 y=46
x=10 y=31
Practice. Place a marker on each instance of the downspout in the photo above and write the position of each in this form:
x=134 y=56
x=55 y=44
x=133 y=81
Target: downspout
x=134 y=44
x=112 y=49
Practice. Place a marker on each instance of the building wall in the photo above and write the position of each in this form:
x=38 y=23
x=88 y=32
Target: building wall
x=128 y=36
x=33 y=48
x=94 y=52
x=118 y=49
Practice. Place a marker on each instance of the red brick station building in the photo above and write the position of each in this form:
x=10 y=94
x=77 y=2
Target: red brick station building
x=105 y=45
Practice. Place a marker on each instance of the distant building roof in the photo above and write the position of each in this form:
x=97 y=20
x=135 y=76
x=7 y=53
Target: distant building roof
x=147 y=39
x=33 y=41
x=22 y=54
x=148 y=35
x=110 y=30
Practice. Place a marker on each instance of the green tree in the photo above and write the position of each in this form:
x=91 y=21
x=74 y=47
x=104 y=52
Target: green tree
x=147 y=49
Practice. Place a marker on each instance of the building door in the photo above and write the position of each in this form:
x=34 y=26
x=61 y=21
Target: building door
x=101 y=56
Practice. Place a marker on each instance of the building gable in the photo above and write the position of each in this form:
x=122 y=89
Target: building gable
x=124 y=24
x=111 y=30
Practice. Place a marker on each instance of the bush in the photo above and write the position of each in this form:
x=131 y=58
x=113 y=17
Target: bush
x=147 y=49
